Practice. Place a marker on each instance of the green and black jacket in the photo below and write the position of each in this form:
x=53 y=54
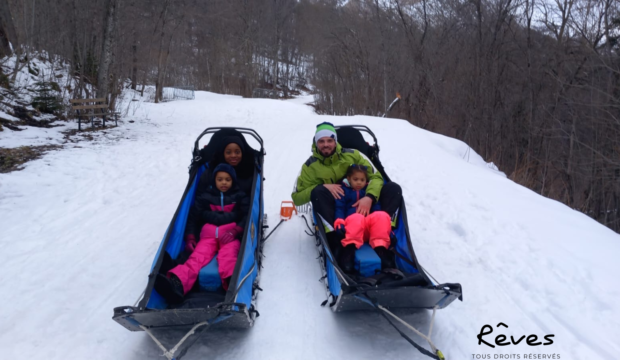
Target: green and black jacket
x=319 y=170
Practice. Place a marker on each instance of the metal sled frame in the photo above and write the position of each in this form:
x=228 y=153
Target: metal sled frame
x=228 y=314
x=353 y=296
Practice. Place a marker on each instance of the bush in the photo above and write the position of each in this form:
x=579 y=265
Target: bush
x=46 y=100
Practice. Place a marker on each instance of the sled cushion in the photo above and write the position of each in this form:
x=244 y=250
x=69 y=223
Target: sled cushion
x=209 y=278
x=367 y=262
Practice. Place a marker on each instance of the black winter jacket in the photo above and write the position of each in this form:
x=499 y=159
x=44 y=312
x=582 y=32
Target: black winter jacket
x=205 y=186
x=212 y=198
x=201 y=212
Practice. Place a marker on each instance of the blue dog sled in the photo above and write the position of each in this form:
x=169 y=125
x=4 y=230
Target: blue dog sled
x=208 y=305
x=409 y=286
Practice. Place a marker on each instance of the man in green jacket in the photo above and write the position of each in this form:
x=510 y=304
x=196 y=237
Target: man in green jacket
x=320 y=177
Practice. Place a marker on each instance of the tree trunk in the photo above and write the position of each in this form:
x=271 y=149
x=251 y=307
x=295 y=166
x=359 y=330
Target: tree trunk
x=33 y=38
x=159 y=86
x=569 y=168
x=7 y=30
x=5 y=48
x=107 y=52
x=134 y=66
x=134 y=52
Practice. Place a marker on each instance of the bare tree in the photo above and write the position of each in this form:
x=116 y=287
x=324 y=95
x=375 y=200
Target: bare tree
x=533 y=86
x=107 y=52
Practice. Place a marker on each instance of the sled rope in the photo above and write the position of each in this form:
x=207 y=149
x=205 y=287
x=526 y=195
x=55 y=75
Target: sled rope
x=274 y=229
x=243 y=280
x=170 y=353
x=414 y=265
x=429 y=274
x=139 y=298
x=427 y=338
x=308 y=226
x=438 y=355
x=336 y=269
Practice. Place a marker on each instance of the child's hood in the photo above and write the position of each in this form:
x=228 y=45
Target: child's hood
x=227 y=169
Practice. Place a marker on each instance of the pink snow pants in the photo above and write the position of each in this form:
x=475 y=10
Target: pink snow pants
x=374 y=229
x=207 y=247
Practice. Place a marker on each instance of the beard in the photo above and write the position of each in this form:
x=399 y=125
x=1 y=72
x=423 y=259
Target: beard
x=331 y=152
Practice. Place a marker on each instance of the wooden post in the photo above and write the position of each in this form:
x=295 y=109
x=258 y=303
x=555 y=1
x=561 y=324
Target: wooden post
x=103 y=111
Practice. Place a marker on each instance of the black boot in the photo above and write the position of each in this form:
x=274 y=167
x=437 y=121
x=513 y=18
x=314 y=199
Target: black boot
x=347 y=259
x=334 y=240
x=167 y=264
x=386 y=256
x=393 y=239
x=226 y=282
x=170 y=288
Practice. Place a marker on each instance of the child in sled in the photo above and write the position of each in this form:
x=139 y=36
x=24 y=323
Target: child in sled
x=374 y=228
x=223 y=209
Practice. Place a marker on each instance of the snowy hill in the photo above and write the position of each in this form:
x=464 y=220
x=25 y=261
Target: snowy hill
x=80 y=227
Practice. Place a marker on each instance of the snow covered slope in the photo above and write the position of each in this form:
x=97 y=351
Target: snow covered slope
x=41 y=68
x=80 y=227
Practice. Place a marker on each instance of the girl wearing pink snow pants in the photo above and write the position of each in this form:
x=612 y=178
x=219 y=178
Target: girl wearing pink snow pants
x=223 y=209
x=357 y=228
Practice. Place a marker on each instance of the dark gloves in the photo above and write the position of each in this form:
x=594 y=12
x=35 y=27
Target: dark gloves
x=190 y=243
x=231 y=235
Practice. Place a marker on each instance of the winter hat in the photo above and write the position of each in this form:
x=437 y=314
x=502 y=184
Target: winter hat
x=219 y=155
x=232 y=140
x=325 y=129
x=227 y=169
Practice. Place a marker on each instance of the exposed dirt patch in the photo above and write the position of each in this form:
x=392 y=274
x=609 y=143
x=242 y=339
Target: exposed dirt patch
x=12 y=159
x=86 y=134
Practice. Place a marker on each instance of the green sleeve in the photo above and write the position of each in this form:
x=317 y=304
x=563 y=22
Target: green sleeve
x=304 y=185
x=375 y=179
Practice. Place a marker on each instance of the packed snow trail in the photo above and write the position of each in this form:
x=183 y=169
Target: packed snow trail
x=80 y=228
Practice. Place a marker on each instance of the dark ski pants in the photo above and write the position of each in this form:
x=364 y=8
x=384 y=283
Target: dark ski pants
x=324 y=204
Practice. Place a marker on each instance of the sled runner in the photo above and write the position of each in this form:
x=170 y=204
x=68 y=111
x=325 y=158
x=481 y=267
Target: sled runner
x=207 y=304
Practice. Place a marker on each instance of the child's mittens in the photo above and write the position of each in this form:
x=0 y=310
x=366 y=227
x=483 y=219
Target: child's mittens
x=238 y=231
x=339 y=225
x=231 y=235
x=190 y=242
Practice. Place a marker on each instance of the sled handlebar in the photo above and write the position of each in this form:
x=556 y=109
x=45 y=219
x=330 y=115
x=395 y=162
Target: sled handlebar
x=213 y=130
x=363 y=128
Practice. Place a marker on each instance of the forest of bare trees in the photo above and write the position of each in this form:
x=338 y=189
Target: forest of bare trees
x=531 y=85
